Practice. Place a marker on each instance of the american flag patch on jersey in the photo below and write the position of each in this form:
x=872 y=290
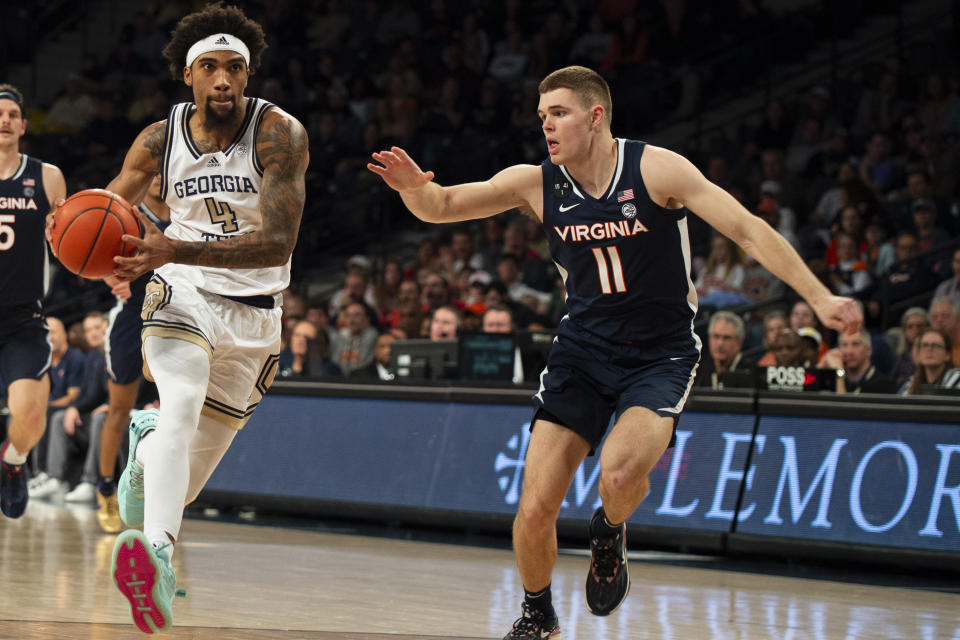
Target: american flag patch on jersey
x=29 y=182
x=623 y=196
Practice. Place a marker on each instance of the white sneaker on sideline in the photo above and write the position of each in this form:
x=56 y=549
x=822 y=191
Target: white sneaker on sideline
x=36 y=481
x=49 y=488
x=83 y=492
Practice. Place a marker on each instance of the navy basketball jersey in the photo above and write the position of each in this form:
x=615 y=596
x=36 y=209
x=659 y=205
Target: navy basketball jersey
x=624 y=259
x=24 y=266
x=138 y=286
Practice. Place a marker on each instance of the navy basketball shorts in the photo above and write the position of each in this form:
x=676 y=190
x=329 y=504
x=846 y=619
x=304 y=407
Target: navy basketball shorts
x=587 y=382
x=25 y=350
x=122 y=346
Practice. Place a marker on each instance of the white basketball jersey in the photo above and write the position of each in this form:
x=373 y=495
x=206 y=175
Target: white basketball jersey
x=216 y=196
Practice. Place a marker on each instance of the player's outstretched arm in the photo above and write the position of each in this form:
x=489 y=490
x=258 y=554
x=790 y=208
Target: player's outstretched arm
x=672 y=180
x=515 y=186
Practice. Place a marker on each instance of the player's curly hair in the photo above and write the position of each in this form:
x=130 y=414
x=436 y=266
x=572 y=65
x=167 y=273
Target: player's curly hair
x=214 y=18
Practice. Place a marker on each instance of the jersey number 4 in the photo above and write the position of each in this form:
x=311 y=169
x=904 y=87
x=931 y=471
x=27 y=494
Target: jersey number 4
x=614 y=269
x=221 y=213
x=6 y=231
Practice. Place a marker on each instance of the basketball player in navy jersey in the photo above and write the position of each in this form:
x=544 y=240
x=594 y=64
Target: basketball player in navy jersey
x=233 y=171
x=28 y=189
x=124 y=366
x=614 y=211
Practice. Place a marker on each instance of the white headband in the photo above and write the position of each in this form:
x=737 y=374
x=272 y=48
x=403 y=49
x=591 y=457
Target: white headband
x=218 y=42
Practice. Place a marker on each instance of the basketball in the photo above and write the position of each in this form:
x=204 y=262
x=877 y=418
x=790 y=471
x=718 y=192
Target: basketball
x=88 y=230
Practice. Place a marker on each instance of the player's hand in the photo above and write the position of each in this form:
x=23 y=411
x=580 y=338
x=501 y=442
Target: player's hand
x=49 y=224
x=839 y=313
x=153 y=250
x=831 y=360
x=71 y=420
x=119 y=288
x=398 y=170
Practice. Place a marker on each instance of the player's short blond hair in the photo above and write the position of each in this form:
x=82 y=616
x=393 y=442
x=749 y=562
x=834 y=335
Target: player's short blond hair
x=586 y=83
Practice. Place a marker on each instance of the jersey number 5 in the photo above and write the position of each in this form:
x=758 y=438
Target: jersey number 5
x=220 y=212
x=6 y=232
x=615 y=267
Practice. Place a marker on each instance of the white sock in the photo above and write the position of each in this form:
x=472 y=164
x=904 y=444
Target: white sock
x=12 y=456
x=140 y=454
x=181 y=370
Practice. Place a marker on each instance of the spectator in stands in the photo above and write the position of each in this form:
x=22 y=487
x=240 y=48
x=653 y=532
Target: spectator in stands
x=806 y=145
x=720 y=282
x=945 y=316
x=356 y=288
x=508 y=272
x=66 y=367
x=881 y=108
x=915 y=321
x=73 y=110
x=380 y=368
x=951 y=287
x=307 y=354
x=461 y=250
x=879 y=254
x=725 y=335
x=851 y=223
x=445 y=323
x=387 y=289
x=788 y=349
x=773 y=214
x=935 y=102
x=810 y=343
x=850 y=276
x=802 y=315
x=406 y=321
x=425 y=261
x=593 y=47
x=877 y=169
x=353 y=345
x=628 y=47
x=930 y=236
x=499 y=319
x=435 y=292
x=906 y=279
x=859 y=374
x=71 y=436
x=934 y=364
x=532 y=270
x=773 y=323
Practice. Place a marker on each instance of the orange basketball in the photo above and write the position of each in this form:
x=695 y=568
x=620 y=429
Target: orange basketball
x=87 y=232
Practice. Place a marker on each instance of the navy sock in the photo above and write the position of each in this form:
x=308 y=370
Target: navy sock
x=600 y=527
x=106 y=486
x=540 y=600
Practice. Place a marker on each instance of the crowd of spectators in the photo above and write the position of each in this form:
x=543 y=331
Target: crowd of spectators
x=859 y=176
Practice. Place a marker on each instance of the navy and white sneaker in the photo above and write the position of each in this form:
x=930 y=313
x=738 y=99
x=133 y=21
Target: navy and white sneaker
x=608 y=581
x=534 y=625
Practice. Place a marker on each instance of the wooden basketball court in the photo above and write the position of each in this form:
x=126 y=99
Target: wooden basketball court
x=250 y=582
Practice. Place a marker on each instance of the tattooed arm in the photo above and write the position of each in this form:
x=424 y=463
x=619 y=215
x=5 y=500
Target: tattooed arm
x=141 y=164
x=282 y=149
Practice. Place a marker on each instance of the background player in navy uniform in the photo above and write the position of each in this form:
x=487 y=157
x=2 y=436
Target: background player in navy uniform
x=124 y=366
x=614 y=211
x=28 y=188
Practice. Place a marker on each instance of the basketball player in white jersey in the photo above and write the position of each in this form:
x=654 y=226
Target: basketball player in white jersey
x=233 y=176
